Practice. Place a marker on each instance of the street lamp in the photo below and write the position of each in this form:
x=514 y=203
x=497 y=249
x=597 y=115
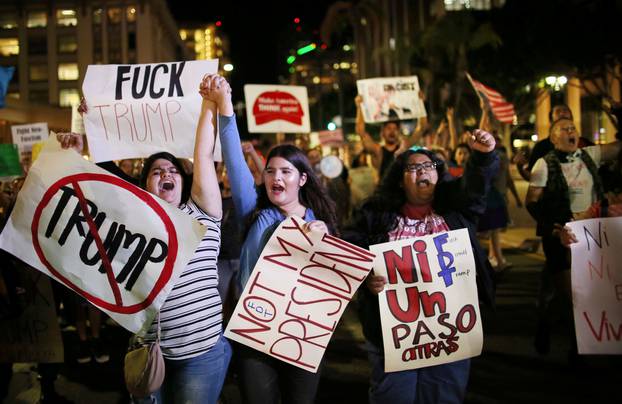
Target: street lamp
x=228 y=67
x=556 y=82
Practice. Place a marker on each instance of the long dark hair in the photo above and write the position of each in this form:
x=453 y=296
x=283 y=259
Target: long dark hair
x=388 y=199
x=186 y=178
x=312 y=194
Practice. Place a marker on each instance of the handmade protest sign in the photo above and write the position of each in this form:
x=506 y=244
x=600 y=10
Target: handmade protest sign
x=597 y=285
x=272 y=109
x=138 y=110
x=25 y=136
x=115 y=244
x=33 y=335
x=297 y=293
x=390 y=98
x=429 y=308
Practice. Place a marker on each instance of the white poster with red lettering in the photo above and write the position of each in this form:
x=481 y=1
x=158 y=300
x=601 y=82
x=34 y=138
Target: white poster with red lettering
x=116 y=245
x=273 y=109
x=297 y=293
x=597 y=285
x=137 y=110
x=390 y=98
x=429 y=308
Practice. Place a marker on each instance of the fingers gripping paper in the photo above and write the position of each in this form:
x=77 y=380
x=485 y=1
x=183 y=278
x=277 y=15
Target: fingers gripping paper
x=109 y=241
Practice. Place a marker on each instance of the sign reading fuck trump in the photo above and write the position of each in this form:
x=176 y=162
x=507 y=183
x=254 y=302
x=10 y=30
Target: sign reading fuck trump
x=297 y=293
x=429 y=308
x=138 y=110
x=272 y=109
x=116 y=245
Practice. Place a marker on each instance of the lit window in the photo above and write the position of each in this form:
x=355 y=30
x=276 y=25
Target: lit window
x=131 y=14
x=38 y=72
x=68 y=97
x=8 y=20
x=68 y=71
x=67 y=44
x=97 y=16
x=9 y=46
x=183 y=34
x=37 y=19
x=66 y=18
x=114 y=15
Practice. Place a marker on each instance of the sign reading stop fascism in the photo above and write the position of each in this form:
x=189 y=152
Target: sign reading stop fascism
x=272 y=109
x=107 y=240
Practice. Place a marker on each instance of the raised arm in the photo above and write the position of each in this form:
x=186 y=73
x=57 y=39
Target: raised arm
x=369 y=144
x=484 y=121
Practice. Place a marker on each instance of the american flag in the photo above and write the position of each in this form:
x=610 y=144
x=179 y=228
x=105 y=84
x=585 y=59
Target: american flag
x=503 y=110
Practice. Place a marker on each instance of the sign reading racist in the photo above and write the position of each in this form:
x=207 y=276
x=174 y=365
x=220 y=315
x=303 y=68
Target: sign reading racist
x=597 y=285
x=297 y=293
x=272 y=109
x=138 y=110
x=390 y=98
x=113 y=243
x=429 y=308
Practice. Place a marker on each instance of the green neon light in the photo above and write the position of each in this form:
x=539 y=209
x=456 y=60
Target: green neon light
x=306 y=49
x=291 y=59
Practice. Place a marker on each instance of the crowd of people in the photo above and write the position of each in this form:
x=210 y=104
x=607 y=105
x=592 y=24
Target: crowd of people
x=424 y=183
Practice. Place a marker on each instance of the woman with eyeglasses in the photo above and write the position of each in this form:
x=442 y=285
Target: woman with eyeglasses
x=418 y=197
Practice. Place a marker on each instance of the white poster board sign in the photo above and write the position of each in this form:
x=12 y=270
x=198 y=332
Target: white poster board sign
x=138 y=110
x=390 y=98
x=429 y=308
x=25 y=136
x=273 y=109
x=297 y=293
x=111 y=242
x=597 y=285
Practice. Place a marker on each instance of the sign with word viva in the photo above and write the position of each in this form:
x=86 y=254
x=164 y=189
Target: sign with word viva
x=597 y=285
x=113 y=243
x=297 y=293
x=138 y=110
x=429 y=308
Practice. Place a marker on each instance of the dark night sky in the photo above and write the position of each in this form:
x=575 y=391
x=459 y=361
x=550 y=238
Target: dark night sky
x=260 y=32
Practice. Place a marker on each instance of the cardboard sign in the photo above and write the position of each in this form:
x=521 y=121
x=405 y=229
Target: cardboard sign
x=272 y=109
x=25 y=136
x=138 y=110
x=297 y=293
x=331 y=137
x=115 y=244
x=597 y=285
x=33 y=336
x=429 y=308
x=390 y=98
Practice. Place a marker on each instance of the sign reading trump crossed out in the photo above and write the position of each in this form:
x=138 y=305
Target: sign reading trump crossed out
x=273 y=109
x=429 y=308
x=116 y=245
x=138 y=110
x=296 y=294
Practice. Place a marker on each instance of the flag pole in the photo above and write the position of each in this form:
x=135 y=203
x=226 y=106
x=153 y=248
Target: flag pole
x=473 y=85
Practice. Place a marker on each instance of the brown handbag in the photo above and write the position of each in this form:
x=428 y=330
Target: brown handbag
x=144 y=367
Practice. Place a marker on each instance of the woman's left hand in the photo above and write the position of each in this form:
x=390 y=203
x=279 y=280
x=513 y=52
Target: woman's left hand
x=482 y=141
x=316 y=226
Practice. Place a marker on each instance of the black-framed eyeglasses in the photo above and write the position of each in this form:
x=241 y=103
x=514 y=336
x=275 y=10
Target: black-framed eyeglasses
x=416 y=167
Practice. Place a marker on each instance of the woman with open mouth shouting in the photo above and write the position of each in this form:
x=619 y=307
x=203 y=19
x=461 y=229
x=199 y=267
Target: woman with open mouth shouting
x=290 y=187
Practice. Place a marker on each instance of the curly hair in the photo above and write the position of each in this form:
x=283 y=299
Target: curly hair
x=312 y=194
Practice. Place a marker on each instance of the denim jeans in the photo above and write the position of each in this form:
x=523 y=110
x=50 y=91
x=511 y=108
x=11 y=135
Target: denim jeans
x=265 y=380
x=195 y=380
x=435 y=384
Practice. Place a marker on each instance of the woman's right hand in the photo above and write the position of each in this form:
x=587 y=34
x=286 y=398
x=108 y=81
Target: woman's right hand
x=375 y=283
x=82 y=108
x=216 y=89
x=70 y=140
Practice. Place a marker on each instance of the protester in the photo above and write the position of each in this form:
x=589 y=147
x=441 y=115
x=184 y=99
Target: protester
x=195 y=352
x=417 y=197
x=290 y=187
x=460 y=157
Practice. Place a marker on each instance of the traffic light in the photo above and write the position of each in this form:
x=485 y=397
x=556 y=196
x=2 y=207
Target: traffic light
x=306 y=49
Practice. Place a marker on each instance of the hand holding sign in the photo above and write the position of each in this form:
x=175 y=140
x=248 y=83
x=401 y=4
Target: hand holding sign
x=73 y=141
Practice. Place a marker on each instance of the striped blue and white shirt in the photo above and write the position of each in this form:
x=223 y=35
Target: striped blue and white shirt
x=191 y=316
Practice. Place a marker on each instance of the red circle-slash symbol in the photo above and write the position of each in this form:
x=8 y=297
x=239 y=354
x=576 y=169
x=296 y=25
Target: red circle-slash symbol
x=117 y=306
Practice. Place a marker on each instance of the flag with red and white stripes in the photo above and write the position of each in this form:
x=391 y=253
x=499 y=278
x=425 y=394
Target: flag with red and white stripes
x=503 y=110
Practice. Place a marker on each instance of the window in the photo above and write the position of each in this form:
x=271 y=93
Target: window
x=37 y=19
x=114 y=15
x=66 y=18
x=8 y=20
x=13 y=95
x=39 y=96
x=37 y=45
x=38 y=72
x=131 y=41
x=97 y=16
x=68 y=97
x=68 y=71
x=131 y=14
x=67 y=44
x=9 y=46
